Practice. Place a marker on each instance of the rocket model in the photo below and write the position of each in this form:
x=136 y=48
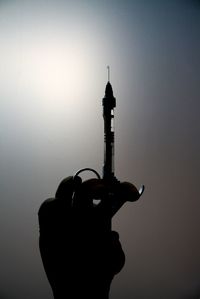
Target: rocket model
x=113 y=201
x=109 y=103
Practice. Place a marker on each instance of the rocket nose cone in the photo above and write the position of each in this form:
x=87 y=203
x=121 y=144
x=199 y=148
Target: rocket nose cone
x=109 y=90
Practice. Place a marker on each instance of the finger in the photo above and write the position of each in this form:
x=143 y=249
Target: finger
x=64 y=191
x=117 y=258
x=128 y=191
x=89 y=190
x=67 y=187
x=94 y=188
x=53 y=210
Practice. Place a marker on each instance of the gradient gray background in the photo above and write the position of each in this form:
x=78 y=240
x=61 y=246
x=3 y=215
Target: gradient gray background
x=53 y=57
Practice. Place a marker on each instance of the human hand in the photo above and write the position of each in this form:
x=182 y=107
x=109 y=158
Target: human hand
x=79 y=252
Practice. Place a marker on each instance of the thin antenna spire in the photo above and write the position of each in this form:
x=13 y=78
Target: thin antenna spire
x=108 y=67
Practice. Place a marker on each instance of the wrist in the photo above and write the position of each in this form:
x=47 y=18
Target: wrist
x=79 y=291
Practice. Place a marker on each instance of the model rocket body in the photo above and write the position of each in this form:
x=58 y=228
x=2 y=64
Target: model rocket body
x=114 y=199
x=109 y=103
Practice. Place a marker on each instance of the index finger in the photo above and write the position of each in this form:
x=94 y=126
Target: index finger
x=89 y=190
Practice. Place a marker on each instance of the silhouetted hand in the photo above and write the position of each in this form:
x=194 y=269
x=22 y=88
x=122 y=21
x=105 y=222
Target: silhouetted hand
x=80 y=253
